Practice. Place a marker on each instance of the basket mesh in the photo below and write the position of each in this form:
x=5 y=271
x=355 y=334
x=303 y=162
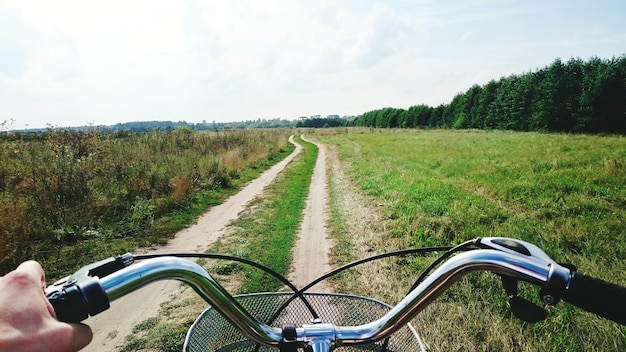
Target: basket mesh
x=211 y=332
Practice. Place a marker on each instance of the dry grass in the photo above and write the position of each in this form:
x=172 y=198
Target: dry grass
x=364 y=234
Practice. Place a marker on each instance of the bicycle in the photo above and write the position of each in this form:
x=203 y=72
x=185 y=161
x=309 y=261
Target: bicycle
x=321 y=322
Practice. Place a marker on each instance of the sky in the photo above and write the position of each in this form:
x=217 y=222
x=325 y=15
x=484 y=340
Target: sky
x=74 y=63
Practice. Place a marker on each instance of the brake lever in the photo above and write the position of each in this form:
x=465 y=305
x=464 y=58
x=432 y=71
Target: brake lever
x=98 y=269
x=559 y=276
x=521 y=307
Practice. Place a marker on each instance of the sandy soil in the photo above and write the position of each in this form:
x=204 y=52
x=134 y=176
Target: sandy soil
x=111 y=327
x=311 y=252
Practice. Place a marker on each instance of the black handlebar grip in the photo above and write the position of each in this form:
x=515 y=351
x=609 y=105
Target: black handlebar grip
x=69 y=305
x=77 y=302
x=597 y=296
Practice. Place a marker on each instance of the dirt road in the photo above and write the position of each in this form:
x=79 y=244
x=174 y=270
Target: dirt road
x=110 y=328
x=312 y=249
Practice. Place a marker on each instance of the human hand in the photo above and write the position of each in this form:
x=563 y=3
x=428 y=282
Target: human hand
x=27 y=320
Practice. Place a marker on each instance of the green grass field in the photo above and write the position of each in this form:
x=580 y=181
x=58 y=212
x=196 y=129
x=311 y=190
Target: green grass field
x=565 y=193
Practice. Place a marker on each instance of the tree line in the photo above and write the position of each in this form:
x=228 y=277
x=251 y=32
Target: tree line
x=317 y=121
x=576 y=96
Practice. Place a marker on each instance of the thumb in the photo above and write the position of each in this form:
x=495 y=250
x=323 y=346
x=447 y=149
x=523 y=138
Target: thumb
x=82 y=336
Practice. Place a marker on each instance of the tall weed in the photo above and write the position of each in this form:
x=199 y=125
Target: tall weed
x=59 y=188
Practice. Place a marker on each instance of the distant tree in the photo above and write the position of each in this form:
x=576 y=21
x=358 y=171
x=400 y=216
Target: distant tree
x=575 y=96
x=485 y=100
x=317 y=122
x=436 y=116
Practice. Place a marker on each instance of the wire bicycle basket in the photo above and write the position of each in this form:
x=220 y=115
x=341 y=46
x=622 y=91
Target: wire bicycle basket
x=212 y=332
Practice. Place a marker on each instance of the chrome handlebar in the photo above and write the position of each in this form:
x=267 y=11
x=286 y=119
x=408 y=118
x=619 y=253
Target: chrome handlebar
x=138 y=275
x=511 y=258
x=507 y=264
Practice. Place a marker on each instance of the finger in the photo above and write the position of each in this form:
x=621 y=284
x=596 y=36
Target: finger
x=82 y=336
x=35 y=272
x=34 y=269
x=50 y=309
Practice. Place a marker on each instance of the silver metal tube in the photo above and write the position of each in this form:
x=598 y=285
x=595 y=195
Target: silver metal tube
x=321 y=345
x=524 y=268
x=138 y=275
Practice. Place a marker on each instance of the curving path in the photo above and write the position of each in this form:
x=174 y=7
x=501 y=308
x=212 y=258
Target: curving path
x=111 y=327
x=311 y=252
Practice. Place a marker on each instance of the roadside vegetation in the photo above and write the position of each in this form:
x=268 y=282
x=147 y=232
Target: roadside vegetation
x=565 y=193
x=68 y=198
x=264 y=233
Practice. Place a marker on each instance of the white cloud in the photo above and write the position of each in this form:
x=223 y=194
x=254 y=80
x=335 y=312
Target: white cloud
x=72 y=62
x=17 y=42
